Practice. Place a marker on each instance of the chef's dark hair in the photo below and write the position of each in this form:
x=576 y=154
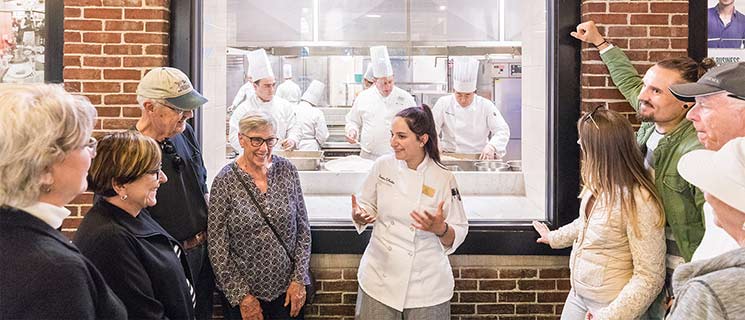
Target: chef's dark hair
x=421 y=121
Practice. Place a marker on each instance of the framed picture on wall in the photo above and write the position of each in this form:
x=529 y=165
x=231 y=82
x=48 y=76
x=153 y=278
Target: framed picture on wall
x=31 y=39
x=726 y=30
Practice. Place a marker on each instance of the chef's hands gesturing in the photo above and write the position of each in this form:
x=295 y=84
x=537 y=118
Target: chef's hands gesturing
x=351 y=136
x=359 y=215
x=426 y=221
x=488 y=153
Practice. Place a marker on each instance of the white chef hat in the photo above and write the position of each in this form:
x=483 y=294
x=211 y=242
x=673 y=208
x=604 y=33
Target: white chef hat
x=465 y=74
x=287 y=71
x=314 y=92
x=381 y=62
x=259 y=66
x=369 y=73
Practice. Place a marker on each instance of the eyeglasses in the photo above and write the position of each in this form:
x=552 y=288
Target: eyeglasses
x=156 y=171
x=169 y=149
x=589 y=116
x=179 y=112
x=258 y=141
x=91 y=144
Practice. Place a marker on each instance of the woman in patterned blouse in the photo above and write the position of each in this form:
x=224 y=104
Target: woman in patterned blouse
x=258 y=228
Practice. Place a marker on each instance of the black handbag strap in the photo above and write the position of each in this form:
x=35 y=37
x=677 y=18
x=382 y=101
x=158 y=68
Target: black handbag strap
x=263 y=215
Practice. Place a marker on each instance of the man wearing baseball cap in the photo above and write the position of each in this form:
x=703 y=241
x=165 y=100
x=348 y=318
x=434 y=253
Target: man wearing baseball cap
x=718 y=117
x=713 y=288
x=167 y=99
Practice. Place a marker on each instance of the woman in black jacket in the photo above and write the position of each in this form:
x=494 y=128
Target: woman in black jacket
x=142 y=263
x=45 y=151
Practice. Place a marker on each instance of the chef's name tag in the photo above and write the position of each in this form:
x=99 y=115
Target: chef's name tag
x=428 y=191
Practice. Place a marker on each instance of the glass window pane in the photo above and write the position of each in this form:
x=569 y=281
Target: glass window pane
x=277 y=20
x=462 y=20
x=362 y=20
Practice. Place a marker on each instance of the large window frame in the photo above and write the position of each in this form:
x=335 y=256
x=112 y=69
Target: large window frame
x=506 y=237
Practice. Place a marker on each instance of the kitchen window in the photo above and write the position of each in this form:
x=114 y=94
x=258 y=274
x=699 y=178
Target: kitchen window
x=328 y=40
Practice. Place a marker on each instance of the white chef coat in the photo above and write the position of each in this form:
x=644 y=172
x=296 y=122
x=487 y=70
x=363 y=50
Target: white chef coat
x=289 y=91
x=404 y=267
x=278 y=108
x=245 y=91
x=373 y=114
x=468 y=130
x=313 y=129
x=716 y=241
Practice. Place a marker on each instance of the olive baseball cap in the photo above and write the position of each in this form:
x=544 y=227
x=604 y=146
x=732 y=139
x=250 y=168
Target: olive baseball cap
x=171 y=85
x=725 y=78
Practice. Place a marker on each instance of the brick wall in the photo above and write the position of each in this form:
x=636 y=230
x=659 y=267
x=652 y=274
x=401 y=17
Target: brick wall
x=109 y=45
x=648 y=31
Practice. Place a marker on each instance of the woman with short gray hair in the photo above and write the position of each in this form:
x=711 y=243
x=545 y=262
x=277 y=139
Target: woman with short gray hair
x=45 y=151
x=259 y=232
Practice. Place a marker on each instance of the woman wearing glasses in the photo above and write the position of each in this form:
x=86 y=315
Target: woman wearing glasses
x=618 y=242
x=258 y=227
x=45 y=151
x=144 y=265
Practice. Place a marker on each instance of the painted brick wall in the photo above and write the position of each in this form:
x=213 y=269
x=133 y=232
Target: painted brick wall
x=109 y=45
x=648 y=31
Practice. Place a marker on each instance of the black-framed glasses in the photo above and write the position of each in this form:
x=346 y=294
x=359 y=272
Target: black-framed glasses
x=589 y=116
x=157 y=171
x=169 y=149
x=258 y=141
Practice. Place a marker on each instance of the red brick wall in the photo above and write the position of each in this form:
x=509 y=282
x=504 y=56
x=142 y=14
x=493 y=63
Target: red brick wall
x=109 y=45
x=648 y=31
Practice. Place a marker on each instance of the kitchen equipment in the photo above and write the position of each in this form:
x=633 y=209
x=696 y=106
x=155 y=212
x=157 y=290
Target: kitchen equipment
x=491 y=166
x=515 y=165
x=303 y=160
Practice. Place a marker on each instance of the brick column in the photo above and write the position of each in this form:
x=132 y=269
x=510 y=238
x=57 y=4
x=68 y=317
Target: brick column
x=109 y=45
x=647 y=31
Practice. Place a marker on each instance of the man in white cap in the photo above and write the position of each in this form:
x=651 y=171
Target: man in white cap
x=368 y=79
x=719 y=117
x=369 y=121
x=289 y=90
x=167 y=99
x=264 y=100
x=310 y=119
x=713 y=288
x=466 y=122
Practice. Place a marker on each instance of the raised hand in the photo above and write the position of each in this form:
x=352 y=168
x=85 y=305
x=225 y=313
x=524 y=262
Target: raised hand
x=542 y=230
x=427 y=221
x=359 y=215
x=588 y=32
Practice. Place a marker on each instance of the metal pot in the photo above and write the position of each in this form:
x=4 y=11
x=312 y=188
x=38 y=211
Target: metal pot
x=491 y=166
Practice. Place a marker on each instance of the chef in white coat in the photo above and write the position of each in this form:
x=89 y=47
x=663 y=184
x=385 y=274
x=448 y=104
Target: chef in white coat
x=368 y=79
x=369 y=120
x=469 y=123
x=246 y=90
x=310 y=119
x=264 y=100
x=289 y=90
x=418 y=218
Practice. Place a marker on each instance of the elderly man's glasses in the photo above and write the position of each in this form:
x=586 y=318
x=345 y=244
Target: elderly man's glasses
x=169 y=149
x=179 y=112
x=258 y=141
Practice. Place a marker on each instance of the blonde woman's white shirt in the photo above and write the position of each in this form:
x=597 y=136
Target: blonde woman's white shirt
x=469 y=129
x=49 y=213
x=609 y=263
x=404 y=267
x=371 y=117
x=312 y=124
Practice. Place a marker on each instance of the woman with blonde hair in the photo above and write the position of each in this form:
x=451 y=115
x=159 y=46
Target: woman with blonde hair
x=618 y=242
x=144 y=265
x=45 y=151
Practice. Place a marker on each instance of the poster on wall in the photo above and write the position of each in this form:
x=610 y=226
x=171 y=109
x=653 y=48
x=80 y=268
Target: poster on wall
x=22 y=41
x=726 y=31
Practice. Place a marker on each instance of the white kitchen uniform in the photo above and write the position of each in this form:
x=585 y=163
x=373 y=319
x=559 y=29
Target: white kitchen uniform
x=245 y=91
x=469 y=129
x=289 y=91
x=371 y=117
x=278 y=108
x=404 y=267
x=313 y=129
x=716 y=241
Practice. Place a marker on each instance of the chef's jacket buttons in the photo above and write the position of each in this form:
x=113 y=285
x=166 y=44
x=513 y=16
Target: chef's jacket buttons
x=411 y=254
x=412 y=229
